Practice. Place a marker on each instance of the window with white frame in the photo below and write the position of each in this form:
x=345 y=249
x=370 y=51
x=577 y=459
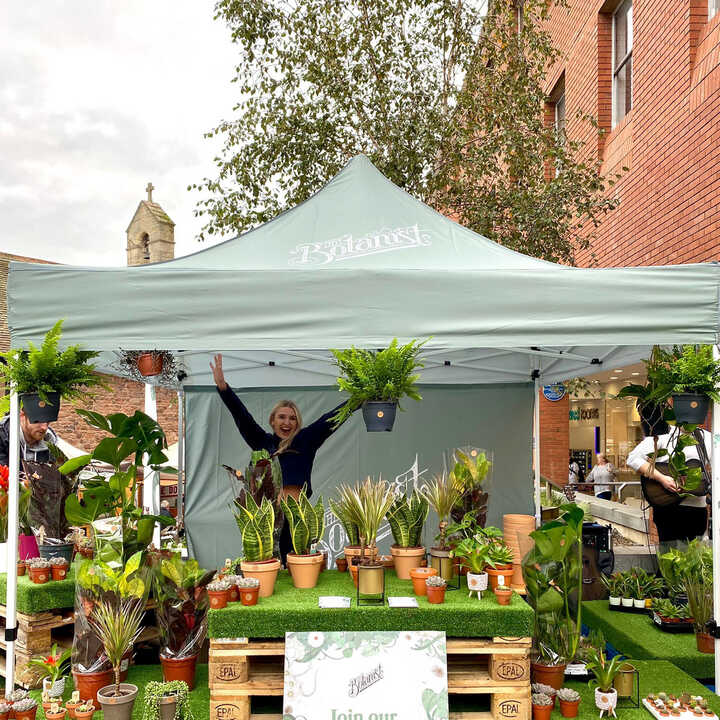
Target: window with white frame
x=560 y=115
x=622 y=61
x=713 y=8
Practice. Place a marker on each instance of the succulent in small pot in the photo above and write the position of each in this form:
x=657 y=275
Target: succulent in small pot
x=248 y=587
x=233 y=592
x=538 y=687
x=219 y=593
x=17 y=695
x=542 y=705
x=569 y=700
x=436 y=587
x=84 y=711
x=5 y=709
x=503 y=594
x=73 y=703
x=21 y=567
x=25 y=709
x=341 y=563
x=499 y=563
x=39 y=570
x=59 y=568
x=55 y=712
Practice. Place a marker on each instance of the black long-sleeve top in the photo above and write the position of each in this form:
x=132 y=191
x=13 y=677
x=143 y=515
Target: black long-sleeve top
x=297 y=460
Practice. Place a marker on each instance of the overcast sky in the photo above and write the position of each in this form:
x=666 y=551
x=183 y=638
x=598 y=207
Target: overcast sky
x=97 y=98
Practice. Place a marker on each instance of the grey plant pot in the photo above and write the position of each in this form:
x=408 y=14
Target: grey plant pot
x=167 y=707
x=51 y=551
x=38 y=410
x=690 y=408
x=117 y=708
x=379 y=416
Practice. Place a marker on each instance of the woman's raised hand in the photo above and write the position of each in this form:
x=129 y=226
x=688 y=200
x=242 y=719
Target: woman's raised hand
x=217 y=371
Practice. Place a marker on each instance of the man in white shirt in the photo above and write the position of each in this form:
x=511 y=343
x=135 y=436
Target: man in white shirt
x=688 y=518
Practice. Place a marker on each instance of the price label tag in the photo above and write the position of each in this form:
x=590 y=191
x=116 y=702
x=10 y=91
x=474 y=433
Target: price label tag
x=402 y=602
x=333 y=601
x=501 y=580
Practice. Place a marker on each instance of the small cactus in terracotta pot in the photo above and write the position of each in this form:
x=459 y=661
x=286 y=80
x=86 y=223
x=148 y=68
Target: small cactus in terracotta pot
x=59 y=568
x=218 y=592
x=249 y=589
x=39 y=570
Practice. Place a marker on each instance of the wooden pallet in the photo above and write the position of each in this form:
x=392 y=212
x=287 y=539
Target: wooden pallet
x=240 y=669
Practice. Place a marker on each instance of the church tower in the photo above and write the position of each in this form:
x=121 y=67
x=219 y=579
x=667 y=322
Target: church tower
x=151 y=233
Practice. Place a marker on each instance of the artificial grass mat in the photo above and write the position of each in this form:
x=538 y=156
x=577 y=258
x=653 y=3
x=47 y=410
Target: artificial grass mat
x=637 y=636
x=290 y=609
x=655 y=676
x=33 y=598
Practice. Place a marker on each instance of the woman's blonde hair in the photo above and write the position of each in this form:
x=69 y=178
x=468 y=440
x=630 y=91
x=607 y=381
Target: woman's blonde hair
x=284 y=444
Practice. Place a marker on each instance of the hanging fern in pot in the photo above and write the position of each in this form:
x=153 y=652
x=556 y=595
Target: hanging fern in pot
x=377 y=380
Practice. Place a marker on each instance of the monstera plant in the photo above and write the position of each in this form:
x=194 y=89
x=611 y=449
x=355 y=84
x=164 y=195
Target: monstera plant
x=407 y=517
x=307 y=525
x=553 y=578
x=256 y=524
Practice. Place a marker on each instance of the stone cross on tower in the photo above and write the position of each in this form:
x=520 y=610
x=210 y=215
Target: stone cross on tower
x=150 y=187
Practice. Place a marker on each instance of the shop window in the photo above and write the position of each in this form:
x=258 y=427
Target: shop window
x=622 y=36
x=713 y=8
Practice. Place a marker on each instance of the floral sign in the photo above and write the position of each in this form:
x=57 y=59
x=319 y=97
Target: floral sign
x=394 y=675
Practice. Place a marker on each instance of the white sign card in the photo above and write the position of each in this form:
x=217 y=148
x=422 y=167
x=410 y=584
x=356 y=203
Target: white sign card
x=398 y=601
x=388 y=675
x=333 y=601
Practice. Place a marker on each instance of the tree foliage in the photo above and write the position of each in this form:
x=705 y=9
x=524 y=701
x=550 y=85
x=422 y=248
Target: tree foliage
x=445 y=98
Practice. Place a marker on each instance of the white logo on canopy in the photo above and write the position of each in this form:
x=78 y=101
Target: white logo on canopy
x=348 y=247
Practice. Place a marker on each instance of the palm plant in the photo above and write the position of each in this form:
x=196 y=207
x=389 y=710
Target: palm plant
x=256 y=524
x=442 y=495
x=367 y=504
x=407 y=517
x=307 y=522
x=117 y=625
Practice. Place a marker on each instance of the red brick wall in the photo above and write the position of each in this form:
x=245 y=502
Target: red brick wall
x=554 y=439
x=125 y=396
x=670 y=197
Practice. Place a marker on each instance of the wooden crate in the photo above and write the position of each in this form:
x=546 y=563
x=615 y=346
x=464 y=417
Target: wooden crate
x=241 y=669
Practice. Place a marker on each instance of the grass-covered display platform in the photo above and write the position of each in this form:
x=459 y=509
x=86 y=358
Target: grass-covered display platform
x=655 y=676
x=637 y=636
x=297 y=610
x=33 y=599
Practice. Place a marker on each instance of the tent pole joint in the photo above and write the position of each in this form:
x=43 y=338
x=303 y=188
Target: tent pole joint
x=11 y=634
x=712 y=628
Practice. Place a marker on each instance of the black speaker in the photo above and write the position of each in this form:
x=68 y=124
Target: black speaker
x=598 y=559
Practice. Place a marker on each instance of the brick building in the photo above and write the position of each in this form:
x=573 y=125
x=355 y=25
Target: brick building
x=150 y=238
x=649 y=71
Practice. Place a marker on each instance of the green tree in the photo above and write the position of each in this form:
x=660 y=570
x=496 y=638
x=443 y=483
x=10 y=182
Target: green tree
x=444 y=98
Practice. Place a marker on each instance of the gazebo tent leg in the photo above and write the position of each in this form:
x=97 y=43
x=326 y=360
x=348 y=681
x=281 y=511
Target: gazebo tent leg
x=180 y=503
x=536 y=453
x=12 y=543
x=151 y=479
x=715 y=512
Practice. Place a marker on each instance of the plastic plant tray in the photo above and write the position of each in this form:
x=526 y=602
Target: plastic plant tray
x=672 y=627
x=684 y=715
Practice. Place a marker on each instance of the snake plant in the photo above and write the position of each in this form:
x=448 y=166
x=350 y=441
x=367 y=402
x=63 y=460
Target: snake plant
x=307 y=522
x=407 y=517
x=256 y=524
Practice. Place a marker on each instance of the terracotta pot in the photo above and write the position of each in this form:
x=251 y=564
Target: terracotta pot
x=705 y=643
x=218 y=599
x=353 y=551
x=4 y=716
x=494 y=573
x=233 y=593
x=541 y=712
x=341 y=564
x=266 y=572
x=387 y=561
x=84 y=715
x=249 y=596
x=305 y=569
x=179 y=669
x=569 y=709
x=39 y=575
x=418 y=576
x=354 y=572
x=21 y=567
x=149 y=364
x=405 y=559
x=59 y=572
x=26 y=714
x=88 y=684
x=118 y=707
x=552 y=675
x=55 y=716
x=503 y=595
x=70 y=707
x=435 y=593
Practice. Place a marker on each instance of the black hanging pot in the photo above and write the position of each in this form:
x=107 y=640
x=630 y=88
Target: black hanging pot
x=690 y=408
x=379 y=416
x=38 y=410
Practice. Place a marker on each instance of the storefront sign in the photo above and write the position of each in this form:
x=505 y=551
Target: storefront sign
x=554 y=392
x=585 y=414
x=355 y=676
